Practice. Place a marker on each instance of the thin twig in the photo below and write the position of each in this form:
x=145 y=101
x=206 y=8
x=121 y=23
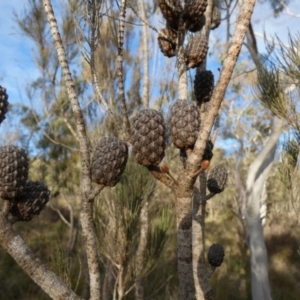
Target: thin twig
x=120 y=70
x=73 y=132
x=141 y=18
x=93 y=46
x=60 y=215
x=162 y=177
x=145 y=48
x=86 y=214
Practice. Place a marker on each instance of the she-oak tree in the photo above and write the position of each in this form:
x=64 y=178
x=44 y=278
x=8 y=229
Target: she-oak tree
x=190 y=200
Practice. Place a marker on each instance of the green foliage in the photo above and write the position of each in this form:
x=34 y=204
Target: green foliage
x=271 y=93
x=117 y=218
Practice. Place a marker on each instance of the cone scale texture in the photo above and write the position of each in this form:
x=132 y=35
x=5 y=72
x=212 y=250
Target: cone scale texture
x=167 y=46
x=198 y=24
x=3 y=103
x=203 y=86
x=170 y=11
x=193 y=10
x=31 y=202
x=184 y=124
x=109 y=161
x=216 y=255
x=196 y=51
x=148 y=137
x=217 y=179
x=13 y=171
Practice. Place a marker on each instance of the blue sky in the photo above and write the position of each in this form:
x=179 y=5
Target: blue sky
x=17 y=67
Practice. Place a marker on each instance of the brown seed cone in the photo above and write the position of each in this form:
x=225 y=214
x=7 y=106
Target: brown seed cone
x=168 y=46
x=13 y=171
x=170 y=11
x=193 y=10
x=197 y=25
x=215 y=18
x=217 y=179
x=196 y=51
x=109 y=161
x=34 y=197
x=184 y=124
x=203 y=85
x=216 y=255
x=3 y=103
x=148 y=137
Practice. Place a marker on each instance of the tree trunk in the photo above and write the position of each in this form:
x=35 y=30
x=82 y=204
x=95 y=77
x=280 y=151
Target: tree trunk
x=140 y=253
x=184 y=250
x=88 y=196
x=202 y=287
x=257 y=175
x=185 y=191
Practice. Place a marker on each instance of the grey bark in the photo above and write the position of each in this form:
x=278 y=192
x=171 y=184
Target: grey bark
x=202 y=286
x=257 y=175
x=233 y=51
x=141 y=251
x=185 y=191
x=120 y=71
x=86 y=215
x=145 y=50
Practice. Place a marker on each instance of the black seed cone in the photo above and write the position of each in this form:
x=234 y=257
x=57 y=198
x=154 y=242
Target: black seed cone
x=167 y=45
x=216 y=255
x=198 y=24
x=184 y=123
x=217 y=179
x=3 y=103
x=208 y=154
x=148 y=137
x=13 y=171
x=31 y=202
x=196 y=51
x=203 y=85
x=193 y=10
x=109 y=161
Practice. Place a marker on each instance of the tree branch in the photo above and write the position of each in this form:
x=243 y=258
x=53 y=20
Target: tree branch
x=27 y=260
x=120 y=69
x=86 y=214
x=221 y=86
x=145 y=51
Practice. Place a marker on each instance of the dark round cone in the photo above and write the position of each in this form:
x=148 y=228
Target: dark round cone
x=198 y=24
x=203 y=85
x=193 y=10
x=109 y=161
x=3 y=103
x=215 y=18
x=196 y=51
x=184 y=124
x=217 y=179
x=216 y=255
x=148 y=137
x=167 y=45
x=208 y=154
x=34 y=198
x=170 y=11
x=13 y=171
